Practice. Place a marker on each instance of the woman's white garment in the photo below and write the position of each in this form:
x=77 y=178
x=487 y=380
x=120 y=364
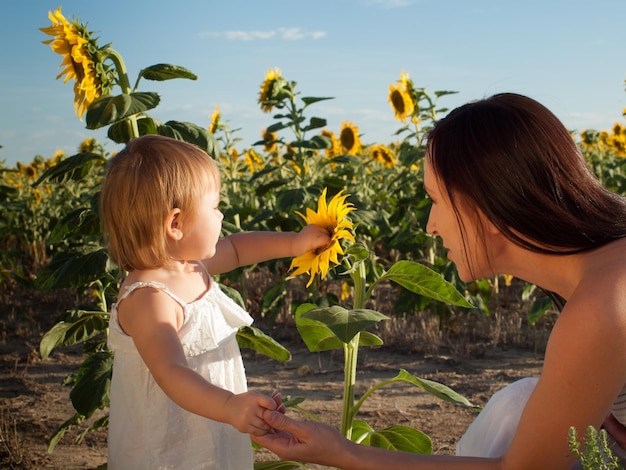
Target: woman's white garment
x=493 y=429
x=147 y=430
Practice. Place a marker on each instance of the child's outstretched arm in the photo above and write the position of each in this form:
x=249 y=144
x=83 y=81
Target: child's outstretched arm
x=246 y=248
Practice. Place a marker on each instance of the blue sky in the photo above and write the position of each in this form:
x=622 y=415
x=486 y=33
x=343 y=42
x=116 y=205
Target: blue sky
x=569 y=55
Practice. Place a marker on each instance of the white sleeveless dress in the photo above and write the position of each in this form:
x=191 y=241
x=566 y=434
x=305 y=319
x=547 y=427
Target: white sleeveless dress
x=147 y=430
x=491 y=433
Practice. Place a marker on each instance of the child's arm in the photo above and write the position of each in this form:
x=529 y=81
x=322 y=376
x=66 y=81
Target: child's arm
x=151 y=318
x=246 y=248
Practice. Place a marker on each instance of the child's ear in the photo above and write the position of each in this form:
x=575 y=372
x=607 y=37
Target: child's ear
x=173 y=225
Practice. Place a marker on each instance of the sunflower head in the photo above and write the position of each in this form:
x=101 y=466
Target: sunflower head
x=383 y=154
x=270 y=140
x=349 y=139
x=333 y=149
x=401 y=102
x=333 y=217
x=216 y=121
x=274 y=90
x=254 y=161
x=83 y=60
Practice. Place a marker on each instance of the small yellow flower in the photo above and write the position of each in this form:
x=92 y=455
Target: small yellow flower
x=89 y=145
x=215 y=121
x=333 y=217
x=82 y=60
x=383 y=154
x=349 y=139
x=508 y=279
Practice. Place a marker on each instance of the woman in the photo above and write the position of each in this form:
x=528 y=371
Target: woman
x=512 y=195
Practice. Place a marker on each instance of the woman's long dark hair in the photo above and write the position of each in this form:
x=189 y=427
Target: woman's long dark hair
x=515 y=161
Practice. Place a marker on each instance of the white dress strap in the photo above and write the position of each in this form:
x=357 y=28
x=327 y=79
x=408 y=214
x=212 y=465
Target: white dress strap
x=155 y=285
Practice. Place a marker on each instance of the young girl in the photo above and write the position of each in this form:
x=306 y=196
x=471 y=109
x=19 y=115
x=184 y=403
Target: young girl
x=511 y=194
x=178 y=394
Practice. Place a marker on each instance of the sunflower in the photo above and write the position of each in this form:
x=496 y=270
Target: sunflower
x=254 y=161
x=82 y=60
x=401 y=101
x=333 y=217
x=383 y=155
x=215 y=121
x=270 y=140
x=349 y=139
x=334 y=148
x=272 y=90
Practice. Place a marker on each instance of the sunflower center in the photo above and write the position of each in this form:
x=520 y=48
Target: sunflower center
x=398 y=101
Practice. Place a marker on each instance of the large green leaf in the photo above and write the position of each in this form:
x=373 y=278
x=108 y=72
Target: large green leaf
x=84 y=325
x=253 y=338
x=424 y=281
x=192 y=133
x=109 y=109
x=82 y=221
x=74 y=168
x=435 y=388
x=93 y=382
x=73 y=269
x=345 y=324
x=121 y=131
x=395 y=437
x=162 y=72
x=316 y=335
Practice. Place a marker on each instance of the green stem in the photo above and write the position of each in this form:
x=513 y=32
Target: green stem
x=124 y=83
x=351 y=351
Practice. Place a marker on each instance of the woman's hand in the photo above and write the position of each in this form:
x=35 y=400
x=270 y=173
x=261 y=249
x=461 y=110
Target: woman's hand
x=303 y=441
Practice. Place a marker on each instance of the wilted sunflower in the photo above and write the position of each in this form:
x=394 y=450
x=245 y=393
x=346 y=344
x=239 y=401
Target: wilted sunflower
x=271 y=89
x=333 y=217
x=82 y=60
x=383 y=154
x=349 y=139
x=215 y=121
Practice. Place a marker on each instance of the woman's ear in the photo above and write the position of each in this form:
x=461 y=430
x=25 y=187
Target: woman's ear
x=174 y=225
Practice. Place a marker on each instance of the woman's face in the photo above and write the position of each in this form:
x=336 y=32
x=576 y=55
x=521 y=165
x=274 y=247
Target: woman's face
x=466 y=244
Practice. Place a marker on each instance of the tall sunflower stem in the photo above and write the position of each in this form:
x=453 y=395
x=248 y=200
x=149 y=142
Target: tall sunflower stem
x=124 y=83
x=351 y=351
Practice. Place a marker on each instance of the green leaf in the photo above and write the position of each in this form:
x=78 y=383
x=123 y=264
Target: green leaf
x=162 y=72
x=253 y=338
x=316 y=335
x=85 y=325
x=73 y=168
x=310 y=99
x=315 y=123
x=424 y=281
x=395 y=437
x=121 y=131
x=435 y=388
x=93 y=382
x=82 y=221
x=66 y=426
x=73 y=269
x=345 y=324
x=192 y=133
x=277 y=126
x=109 y=109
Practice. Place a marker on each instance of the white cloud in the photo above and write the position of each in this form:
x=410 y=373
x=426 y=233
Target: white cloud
x=287 y=34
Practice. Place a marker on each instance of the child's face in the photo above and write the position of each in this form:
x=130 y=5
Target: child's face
x=202 y=236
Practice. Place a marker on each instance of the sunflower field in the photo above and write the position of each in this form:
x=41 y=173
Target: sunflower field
x=371 y=192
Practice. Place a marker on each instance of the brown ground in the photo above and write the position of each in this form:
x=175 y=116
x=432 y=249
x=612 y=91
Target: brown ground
x=33 y=403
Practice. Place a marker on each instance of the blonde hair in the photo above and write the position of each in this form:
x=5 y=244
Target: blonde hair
x=143 y=183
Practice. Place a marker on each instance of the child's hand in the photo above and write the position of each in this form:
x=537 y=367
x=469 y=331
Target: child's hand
x=310 y=238
x=245 y=412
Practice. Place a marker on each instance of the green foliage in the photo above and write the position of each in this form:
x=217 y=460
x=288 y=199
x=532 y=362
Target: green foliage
x=596 y=454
